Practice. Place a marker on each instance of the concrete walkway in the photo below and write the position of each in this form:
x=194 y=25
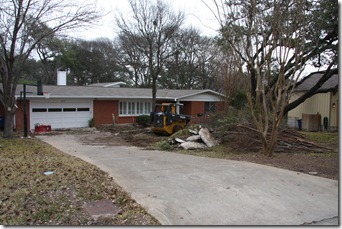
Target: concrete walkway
x=180 y=189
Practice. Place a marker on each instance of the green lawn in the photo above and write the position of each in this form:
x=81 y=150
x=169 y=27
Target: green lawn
x=322 y=137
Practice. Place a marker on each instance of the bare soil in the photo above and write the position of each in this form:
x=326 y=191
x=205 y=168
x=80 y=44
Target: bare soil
x=324 y=164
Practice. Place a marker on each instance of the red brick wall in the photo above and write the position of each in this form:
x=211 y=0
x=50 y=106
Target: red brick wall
x=193 y=108
x=187 y=108
x=19 y=116
x=122 y=120
x=103 y=110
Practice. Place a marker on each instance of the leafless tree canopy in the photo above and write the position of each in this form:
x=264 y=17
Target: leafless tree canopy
x=149 y=34
x=270 y=40
x=24 y=24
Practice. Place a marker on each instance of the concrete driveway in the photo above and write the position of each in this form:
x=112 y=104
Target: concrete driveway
x=180 y=189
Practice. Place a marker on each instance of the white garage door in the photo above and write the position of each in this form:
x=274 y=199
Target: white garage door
x=61 y=113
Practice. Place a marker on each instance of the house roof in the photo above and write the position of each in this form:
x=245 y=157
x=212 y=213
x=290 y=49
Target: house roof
x=109 y=84
x=309 y=81
x=92 y=92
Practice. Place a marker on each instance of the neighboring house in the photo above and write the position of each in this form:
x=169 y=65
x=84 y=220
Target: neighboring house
x=325 y=102
x=74 y=106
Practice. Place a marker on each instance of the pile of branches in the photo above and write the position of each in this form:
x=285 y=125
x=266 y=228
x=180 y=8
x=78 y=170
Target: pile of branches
x=245 y=137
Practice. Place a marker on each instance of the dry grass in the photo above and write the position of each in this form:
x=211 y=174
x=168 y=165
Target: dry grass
x=28 y=197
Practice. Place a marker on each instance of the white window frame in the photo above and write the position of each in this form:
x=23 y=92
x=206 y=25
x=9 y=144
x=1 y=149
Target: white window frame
x=131 y=108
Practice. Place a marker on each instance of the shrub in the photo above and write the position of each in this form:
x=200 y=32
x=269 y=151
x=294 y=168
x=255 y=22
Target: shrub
x=239 y=99
x=143 y=120
x=228 y=119
x=163 y=145
x=91 y=122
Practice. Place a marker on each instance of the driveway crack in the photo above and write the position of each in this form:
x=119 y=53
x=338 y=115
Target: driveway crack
x=328 y=221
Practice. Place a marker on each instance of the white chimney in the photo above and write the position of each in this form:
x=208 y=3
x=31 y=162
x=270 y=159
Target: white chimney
x=61 y=78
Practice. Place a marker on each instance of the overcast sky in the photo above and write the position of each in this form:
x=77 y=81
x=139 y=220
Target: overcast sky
x=197 y=15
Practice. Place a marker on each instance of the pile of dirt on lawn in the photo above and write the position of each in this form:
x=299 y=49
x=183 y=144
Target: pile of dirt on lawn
x=128 y=134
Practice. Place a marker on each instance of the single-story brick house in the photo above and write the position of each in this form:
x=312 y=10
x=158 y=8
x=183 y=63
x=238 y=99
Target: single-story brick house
x=74 y=106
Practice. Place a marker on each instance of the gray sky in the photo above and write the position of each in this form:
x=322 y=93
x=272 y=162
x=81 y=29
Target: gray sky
x=197 y=16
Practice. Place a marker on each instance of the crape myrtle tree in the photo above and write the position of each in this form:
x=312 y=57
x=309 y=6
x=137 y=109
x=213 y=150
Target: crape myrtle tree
x=321 y=36
x=24 y=24
x=274 y=40
x=266 y=37
x=150 y=31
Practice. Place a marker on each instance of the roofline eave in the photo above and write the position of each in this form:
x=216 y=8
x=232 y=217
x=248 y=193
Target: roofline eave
x=93 y=97
x=200 y=92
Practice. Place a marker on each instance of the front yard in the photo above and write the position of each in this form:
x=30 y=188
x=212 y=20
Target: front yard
x=324 y=164
x=43 y=186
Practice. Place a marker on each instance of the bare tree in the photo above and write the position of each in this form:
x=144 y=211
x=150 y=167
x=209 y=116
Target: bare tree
x=229 y=77
x=133 y=60
x=321 y=37
x=268 y=39
x=151 y=30
x=193 y=64
x=24 y=24
x=182 y=68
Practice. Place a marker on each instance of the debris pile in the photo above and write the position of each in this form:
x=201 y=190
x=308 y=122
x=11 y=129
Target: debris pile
x=197 y=140
x=246 y=138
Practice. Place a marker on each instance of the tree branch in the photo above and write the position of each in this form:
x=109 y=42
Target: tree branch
x=314 y=90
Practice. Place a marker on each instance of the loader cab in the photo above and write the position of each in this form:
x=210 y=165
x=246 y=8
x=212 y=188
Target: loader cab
x=167 y=118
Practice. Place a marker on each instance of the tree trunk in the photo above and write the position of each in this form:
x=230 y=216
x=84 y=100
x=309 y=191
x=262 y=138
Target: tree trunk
x=273 y=142
x=8 y=124
x=154 y=92
x=8 y=101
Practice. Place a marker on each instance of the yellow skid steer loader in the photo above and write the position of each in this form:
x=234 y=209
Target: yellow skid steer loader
x=167 y=118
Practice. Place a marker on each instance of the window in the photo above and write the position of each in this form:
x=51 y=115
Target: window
x=131 y=108
x=39 y=110
x=36 y=110
x=140 y=107
x=123 y=108
x=209 y=107
x=83 y=109
x=148 y=108
x=69 y=110
x=55 y=109
x=134 y=108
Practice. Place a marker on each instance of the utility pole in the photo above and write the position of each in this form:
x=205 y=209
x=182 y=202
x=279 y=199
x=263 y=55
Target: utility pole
x=39 y=86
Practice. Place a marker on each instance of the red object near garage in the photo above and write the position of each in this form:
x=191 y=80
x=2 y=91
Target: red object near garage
x=42 y=128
